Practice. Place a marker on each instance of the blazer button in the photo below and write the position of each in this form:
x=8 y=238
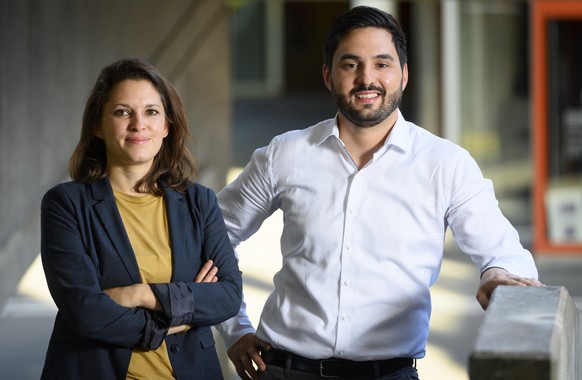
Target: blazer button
x=175 y=348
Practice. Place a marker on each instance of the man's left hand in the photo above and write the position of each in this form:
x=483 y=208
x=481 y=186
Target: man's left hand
x=493 y=277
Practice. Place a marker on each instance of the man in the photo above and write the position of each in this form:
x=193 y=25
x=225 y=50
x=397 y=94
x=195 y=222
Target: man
x=367 y=198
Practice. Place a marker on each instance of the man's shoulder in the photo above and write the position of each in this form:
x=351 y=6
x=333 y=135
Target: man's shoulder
x=424 y=139
x=306 y=135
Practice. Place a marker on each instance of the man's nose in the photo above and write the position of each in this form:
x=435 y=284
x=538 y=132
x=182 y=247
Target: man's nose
x=365 y=74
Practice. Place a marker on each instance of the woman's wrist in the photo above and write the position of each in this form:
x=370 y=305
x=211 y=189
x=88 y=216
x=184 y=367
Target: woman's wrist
x=147 y=298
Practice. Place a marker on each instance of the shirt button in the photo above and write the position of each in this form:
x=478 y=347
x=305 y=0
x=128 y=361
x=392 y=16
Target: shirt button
x=341 y=352
x=345 y=318
x=175 y=348
x=347 y=282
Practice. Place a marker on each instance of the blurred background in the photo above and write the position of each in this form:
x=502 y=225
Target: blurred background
x=501 y=78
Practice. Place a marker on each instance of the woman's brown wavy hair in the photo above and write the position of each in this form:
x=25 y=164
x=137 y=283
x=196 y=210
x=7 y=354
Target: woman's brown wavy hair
x=173 y=166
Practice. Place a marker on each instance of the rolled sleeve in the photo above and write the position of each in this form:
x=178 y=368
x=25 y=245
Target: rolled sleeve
x=176 y=300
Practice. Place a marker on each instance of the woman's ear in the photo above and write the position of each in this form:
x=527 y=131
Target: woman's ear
x=167 y=129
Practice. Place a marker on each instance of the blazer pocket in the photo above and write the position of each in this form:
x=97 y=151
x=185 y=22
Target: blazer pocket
x=206 y=338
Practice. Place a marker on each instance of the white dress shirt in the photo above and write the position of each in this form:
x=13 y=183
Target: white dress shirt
x=361 y=248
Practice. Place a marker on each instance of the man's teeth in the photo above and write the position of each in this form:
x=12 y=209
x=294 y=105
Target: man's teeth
x=367 y=96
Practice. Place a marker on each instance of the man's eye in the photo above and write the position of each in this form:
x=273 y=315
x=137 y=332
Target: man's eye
x=351 y=65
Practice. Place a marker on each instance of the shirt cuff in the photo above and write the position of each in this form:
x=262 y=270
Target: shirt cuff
x=177 y=302
x=155 y=332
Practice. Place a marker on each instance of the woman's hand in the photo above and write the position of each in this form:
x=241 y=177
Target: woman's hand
x=178 y=329
x=137 y=295
x=207 y=273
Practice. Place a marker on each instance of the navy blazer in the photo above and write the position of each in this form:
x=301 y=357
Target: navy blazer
x=85 y=249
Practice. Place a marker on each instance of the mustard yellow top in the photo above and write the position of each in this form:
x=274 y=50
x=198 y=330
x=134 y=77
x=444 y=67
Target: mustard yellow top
x=146 y=224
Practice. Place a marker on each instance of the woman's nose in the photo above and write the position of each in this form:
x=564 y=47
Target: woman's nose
x=137 y=122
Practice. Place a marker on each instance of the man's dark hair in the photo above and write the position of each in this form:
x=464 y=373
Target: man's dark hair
x=362 y=17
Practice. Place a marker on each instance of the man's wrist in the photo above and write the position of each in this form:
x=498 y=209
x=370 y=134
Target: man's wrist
x=488 y=269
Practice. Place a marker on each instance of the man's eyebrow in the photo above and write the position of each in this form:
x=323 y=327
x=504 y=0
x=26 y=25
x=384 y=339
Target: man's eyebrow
x=349 y=57
x=354 y=57
x=387 y=56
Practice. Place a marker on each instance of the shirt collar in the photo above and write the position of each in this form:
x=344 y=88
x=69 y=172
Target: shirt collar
x=329 y=130
x=399 y=136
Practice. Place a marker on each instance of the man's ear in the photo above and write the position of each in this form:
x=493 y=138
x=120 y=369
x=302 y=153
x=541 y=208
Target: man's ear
x=404 y=76
x=326 y=71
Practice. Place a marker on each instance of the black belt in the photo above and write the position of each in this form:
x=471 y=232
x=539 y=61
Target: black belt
x=335 y=367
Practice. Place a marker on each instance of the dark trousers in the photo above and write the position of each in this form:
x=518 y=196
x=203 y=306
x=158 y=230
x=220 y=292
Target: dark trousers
x=277 y=373
x=281 y=366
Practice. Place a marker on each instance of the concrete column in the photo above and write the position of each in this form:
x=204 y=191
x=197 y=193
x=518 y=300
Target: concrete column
x=389 y=6
x=425 y=54
x=451 y=69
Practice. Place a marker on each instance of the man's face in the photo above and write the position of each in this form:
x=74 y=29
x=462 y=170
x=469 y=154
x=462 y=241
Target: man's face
x=366 y=79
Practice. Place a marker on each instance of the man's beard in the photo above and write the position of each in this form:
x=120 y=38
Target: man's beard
x=368 y=117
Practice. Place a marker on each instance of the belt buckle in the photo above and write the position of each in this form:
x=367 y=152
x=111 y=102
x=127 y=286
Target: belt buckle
x=322 y=369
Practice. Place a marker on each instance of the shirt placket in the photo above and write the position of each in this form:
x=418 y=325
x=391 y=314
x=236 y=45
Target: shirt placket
x=347 y=294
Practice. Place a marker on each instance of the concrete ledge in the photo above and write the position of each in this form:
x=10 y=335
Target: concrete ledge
x=529 y=333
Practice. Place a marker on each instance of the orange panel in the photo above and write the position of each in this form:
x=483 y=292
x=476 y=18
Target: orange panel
x=541 y=13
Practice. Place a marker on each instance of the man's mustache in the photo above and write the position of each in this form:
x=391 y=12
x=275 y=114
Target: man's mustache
x=367 y=88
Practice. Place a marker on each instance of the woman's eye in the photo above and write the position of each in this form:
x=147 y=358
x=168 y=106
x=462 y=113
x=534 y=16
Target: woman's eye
x=152 y=112
x=121 y=112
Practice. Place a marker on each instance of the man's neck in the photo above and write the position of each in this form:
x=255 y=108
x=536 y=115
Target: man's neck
x=362 y=143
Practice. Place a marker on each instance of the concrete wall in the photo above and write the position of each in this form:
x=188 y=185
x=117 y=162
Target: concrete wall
x=51 y=53
x=529 y=333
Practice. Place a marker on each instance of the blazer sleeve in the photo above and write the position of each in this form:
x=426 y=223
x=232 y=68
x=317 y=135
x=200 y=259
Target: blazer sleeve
x=72 y=273
x=205 y=304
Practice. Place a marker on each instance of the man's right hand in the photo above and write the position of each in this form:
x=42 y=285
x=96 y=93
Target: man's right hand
x=245 y=352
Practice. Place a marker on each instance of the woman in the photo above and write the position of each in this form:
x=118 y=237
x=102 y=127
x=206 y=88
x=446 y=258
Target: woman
x=136 y=256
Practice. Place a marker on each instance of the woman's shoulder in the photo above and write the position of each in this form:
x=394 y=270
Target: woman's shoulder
x=67 y=193
x=76 y=190
x=197 y=187
x=199 y=192
x=70 y=187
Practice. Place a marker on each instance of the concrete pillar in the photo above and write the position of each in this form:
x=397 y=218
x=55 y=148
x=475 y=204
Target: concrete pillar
x=451 y=69
x=389 y=6
x=426 y=75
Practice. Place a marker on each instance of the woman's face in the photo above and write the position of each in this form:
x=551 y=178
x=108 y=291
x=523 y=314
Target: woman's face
x=133 y=125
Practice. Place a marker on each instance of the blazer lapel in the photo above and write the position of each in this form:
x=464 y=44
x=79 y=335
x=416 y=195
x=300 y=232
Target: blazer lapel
x=108 y=214
x=177 y=210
